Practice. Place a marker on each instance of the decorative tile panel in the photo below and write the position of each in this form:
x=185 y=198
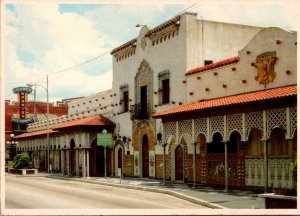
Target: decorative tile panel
x=234 y=122
x=293 y=119
x=254 y=120
x=185 y=127
x=201 y=126
x=276 y=118
x=136 y=163
x=170 y=129
x=216 y=124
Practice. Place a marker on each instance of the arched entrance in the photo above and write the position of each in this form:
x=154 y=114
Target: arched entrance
x=120 y=159
x=72 y=158
x=278 y=145
x=179 y=163
x=201 y=168
x=254 y=145
x=145 y=156
x=96 y=159
x=216 y=160
x=235 y=175
x=279 y=159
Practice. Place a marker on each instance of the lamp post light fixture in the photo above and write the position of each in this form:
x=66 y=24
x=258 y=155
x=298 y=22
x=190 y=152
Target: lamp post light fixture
x=126 y=141
x=139 y=25
x=160 y=142
x=12 y=148
x=35 y=117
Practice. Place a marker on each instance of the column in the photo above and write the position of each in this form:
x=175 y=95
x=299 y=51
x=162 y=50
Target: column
x=226 y=167
x=68 y=161
x=87 y=163
x=62 y=161
x=164 y=163
x=194 y=164
x=77 y=161
x=266 y=164
x=84 y=164
x=194 y=153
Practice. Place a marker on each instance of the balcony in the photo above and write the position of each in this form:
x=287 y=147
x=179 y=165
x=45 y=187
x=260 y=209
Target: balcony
x=139 y=111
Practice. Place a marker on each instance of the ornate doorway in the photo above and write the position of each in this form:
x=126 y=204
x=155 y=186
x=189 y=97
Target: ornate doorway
x=145 y=156
x=179 y=158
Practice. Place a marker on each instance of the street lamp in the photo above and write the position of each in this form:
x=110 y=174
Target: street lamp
x=12 y=149
x=138 y=25
x=159 y=140
x=47 y=91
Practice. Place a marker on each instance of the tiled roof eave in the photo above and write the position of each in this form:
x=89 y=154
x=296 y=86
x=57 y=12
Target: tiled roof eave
x=163 y=26
x=212 y=66
x=129 y=43
x=35 y=134
x=291 y=91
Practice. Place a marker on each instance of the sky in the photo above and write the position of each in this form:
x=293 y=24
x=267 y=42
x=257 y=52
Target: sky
x=49 y=37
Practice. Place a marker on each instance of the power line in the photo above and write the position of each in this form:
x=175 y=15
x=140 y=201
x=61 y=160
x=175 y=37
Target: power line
x=98 y=56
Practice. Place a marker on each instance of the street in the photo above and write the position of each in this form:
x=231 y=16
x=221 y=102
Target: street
x=46 y=193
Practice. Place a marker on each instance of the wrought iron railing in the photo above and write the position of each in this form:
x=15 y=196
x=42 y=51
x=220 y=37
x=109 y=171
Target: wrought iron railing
x=139 y=111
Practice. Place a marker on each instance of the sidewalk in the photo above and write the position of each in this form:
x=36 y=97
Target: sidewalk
x=203 y=195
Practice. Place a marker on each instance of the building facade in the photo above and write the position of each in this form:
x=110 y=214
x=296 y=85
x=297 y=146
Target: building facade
x=173 y=81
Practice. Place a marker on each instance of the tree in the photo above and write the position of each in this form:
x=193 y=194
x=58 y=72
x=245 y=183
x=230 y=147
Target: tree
x=21 y=161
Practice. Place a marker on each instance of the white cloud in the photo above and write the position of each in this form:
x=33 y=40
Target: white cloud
x=57 y=41
x=61 y=40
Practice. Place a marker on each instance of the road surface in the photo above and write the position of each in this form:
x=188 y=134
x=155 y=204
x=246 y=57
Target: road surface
x=47 y=193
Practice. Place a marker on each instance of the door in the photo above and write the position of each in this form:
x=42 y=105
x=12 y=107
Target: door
x=145 y=156
x=179 y=163
x=120 y=159
x=144 y=113
x=100 y=161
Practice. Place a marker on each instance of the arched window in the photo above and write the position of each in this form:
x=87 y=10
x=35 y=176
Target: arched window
x=278 y=145
x=254 y=144
x=216 y=146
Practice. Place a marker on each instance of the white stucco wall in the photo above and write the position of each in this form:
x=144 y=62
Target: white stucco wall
x=264 y=41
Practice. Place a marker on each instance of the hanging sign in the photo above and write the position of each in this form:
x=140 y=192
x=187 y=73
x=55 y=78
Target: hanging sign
x=104 y=139
x=22 y=117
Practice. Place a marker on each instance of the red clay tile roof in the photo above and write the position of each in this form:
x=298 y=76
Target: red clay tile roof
x=129 y=43
x=213 y=65
x=231 y=100
x=35 y=133
x=163 y=25
x=96 y=120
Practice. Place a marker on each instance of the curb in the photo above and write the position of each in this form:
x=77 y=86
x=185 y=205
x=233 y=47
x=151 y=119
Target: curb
x=28 y=175
x=156 y=190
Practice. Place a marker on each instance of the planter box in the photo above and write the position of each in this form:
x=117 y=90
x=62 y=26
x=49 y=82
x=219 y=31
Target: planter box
x=274 y=201
x=23 y=171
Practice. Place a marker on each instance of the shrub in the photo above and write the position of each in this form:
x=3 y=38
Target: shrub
x=21 y=161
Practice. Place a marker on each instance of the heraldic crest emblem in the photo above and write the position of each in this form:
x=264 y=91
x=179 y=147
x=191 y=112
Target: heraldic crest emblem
x=265 y=67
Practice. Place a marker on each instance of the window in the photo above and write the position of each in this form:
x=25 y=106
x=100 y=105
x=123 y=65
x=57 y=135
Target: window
x=164 y=87
x=165 y=91
x=126 y=99
x=207 y=62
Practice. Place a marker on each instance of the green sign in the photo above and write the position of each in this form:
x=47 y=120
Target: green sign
x=104 y=139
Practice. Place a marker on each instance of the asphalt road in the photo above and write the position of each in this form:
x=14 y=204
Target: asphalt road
x=46 y=193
